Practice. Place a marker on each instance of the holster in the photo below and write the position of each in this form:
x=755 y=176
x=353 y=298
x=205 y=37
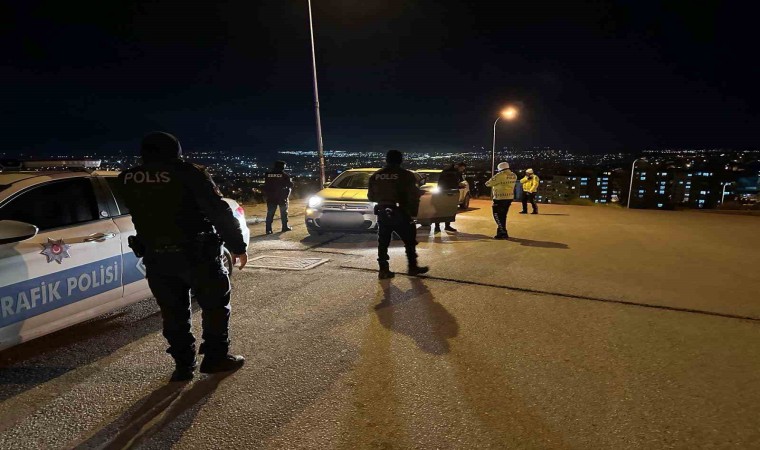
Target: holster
x=208 y=246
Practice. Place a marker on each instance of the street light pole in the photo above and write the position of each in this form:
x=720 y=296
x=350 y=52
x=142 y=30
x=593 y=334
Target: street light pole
x=509 y=114
x=493 y=149
x=320 y=147
x=630 y=187
x=723 y=195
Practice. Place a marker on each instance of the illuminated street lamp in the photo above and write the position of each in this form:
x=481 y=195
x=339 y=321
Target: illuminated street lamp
x=630 y=188
x=723 y=195
x=320 y=147
x=510 y=113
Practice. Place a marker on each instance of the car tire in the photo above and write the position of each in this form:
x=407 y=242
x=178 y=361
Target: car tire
x=227 y=260
x=466 y=203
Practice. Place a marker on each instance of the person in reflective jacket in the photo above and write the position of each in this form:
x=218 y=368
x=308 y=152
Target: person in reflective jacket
x=503 y=193
x=182 y=222
x=397 y=196
x=530 y=184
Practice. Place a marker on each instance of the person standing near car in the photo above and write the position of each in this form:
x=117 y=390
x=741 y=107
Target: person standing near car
x=397 y=197
x=452 y=177
x=181 y=222
x=530 y=184
x=503 y=193
x=277 y=187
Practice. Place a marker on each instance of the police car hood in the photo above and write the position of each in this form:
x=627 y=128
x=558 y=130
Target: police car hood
x=344 y=194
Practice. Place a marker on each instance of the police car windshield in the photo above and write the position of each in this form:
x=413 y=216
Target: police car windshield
x=352 y=180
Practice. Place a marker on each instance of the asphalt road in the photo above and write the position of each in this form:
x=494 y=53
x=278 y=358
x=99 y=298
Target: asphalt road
x=591 y=328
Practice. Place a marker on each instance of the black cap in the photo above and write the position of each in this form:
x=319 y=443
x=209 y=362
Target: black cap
x=394 y=157
x=160 y=146
x=279 y=165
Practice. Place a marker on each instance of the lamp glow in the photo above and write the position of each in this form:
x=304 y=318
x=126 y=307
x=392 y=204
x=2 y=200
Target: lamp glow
x=509 y=113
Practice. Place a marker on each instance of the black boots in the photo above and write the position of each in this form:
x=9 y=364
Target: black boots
x=385 y=271
x=286 y=228
x=184 y=369
x=224 y=363
x=385 y=274
x=415 y=270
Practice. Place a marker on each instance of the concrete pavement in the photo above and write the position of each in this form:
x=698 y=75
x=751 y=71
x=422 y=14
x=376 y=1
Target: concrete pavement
x=591 y=328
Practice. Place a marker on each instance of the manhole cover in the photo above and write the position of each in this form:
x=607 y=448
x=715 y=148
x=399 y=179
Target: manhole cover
x=285 y=263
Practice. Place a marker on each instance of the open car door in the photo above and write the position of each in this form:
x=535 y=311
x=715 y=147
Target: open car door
x=440 y=206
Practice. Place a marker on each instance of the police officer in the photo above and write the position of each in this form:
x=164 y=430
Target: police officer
x=178 y=211
x=277 y=186
x=397 y=195
x=503 y=193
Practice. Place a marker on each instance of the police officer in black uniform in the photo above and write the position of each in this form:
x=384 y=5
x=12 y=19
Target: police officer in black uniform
x=397 y=195
x=277 y=186
x=181 y=222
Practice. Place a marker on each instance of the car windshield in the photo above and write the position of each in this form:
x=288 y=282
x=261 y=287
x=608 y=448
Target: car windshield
x=431 y=177
x=352 y=180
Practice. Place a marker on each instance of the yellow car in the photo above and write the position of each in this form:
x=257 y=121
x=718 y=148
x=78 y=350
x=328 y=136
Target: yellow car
x=343 y=205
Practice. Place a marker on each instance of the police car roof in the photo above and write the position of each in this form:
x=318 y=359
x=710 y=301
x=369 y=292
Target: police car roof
x=429 y=170
x=363 y=169
x=10 y=177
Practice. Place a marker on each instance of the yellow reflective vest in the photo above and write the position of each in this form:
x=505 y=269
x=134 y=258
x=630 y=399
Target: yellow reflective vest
x=503 y=185
x=530 y=184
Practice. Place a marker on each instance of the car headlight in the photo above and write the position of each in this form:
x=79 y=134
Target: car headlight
x=435 y=190
x=315 y=201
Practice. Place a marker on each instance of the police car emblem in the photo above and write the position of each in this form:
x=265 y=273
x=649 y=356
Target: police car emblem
x=343 y=207
x=55 y=250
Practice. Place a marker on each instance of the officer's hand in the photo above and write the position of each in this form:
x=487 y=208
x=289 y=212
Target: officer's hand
x=243 y=258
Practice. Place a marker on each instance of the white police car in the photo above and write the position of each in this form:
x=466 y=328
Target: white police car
x=64 y=256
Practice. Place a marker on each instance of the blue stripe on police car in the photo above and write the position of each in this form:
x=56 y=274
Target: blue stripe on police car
x=30 y=298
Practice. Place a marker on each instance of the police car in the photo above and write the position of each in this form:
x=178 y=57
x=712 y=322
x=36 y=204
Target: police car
x=343 y=204
x=64 y=256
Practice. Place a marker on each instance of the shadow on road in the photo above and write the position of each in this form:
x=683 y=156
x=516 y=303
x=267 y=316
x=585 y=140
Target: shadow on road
x=453 y=238
x=416 y=314
x=38 y=361
x=170 y=405
x=552 y=214
x=541 y=244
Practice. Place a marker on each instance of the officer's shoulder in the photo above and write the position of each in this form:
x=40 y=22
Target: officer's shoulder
x=192 y=168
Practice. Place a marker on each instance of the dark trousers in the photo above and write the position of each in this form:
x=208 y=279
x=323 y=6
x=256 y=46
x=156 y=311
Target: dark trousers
x=272 y=207
x=395 y=220
x=172 y=281
x=529 y=197
x=500 y=209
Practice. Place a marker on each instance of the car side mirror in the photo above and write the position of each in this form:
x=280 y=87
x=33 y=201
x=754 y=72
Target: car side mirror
x=326 y=184
x=13 y=231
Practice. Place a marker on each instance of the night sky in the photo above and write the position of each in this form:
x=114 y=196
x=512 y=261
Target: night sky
x=416 y=75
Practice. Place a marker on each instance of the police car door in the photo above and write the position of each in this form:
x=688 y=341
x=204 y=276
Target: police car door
x=67 y=273
x=133 y=273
